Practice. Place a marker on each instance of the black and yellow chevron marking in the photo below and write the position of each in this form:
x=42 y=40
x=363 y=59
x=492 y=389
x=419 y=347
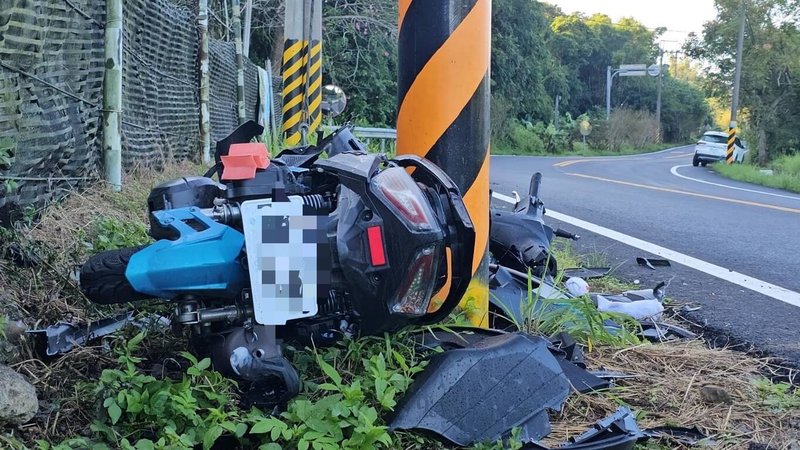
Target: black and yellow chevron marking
x=731 y=142
x=301 y=102
x=443 y=96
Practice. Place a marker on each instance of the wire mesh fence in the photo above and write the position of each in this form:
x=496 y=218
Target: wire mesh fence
x=51 y=82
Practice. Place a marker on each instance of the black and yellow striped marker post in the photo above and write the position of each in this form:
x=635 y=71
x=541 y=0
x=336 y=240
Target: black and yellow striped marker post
x=302 y=70
x=443 y=96
x=731 y=142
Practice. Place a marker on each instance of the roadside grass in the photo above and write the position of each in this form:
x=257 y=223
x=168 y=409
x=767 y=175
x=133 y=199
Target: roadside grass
x=505 y=149
x=140 y=391
x=786 y=173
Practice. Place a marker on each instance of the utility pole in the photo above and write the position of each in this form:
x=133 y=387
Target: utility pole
x=660 y=84
x=608 y=92
x=737 y=79
x=443 y=112
x=558 y=113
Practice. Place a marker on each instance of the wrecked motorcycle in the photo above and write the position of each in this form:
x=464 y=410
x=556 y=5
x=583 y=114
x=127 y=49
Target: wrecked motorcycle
x=520 y=240
x=298 y=247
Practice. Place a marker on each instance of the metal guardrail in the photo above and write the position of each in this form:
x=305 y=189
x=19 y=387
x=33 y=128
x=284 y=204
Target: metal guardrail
x=368 y=134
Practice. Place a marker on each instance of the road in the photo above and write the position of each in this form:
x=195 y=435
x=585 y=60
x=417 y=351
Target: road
x=734 y=246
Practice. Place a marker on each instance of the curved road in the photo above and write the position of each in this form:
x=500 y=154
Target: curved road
x=735 y=247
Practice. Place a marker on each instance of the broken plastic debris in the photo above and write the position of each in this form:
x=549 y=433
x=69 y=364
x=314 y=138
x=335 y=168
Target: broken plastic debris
x=616 y=432
x=63 y=337
x=587 y=273
x=504 y=381
x=639 y=310
x=652 y=263
x=577 y=286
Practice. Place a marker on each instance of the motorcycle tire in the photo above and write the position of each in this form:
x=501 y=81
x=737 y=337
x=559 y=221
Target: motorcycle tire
x=103 y=278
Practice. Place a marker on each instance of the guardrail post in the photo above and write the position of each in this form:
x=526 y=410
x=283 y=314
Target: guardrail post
x=443 y=95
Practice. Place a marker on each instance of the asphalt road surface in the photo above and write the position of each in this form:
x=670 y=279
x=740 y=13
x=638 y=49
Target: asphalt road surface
x=734 y=247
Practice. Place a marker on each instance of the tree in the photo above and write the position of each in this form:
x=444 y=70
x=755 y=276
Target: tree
x=769 y=86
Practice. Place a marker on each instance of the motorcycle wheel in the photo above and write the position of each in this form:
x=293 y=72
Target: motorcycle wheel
x=103 y=278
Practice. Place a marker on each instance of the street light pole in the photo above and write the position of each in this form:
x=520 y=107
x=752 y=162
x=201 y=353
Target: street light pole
x=737 y=78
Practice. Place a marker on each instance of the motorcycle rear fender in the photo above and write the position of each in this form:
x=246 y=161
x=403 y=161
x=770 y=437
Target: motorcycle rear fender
x=205 y=259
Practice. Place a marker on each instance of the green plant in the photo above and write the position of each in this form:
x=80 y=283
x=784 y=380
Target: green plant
x=7 y=151
x=360 y=381
x=142 y=412
x=109 y=234
x=778 y=396
x=577 y=316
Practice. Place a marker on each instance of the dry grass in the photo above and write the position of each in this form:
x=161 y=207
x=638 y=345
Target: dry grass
x=667 y=391
x=44 y=294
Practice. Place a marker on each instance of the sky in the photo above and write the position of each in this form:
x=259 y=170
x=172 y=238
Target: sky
x=679 y=16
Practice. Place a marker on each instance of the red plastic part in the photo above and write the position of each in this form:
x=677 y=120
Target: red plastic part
x=376 y=252
x=243 y=160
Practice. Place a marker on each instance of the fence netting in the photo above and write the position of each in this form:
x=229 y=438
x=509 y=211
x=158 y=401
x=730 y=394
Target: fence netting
x=51 y=83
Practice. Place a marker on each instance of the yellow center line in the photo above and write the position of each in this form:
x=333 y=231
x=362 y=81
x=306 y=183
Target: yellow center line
x=692 y=194
x=569 y=163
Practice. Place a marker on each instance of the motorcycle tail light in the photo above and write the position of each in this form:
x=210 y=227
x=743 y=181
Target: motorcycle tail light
x=403 y=196
x=415 y=292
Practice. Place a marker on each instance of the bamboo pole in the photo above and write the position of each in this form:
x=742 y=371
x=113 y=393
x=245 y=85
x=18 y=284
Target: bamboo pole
x=112 y=96
x=237 y=31
x=248 y=19
x=205 y=82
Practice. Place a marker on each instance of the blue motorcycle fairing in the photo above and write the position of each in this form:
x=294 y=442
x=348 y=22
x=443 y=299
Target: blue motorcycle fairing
x=205 y=260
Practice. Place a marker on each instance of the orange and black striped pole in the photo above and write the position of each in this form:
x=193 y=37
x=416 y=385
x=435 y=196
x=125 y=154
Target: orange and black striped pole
x=729 y=157
x=302 y=70
x=443 y=96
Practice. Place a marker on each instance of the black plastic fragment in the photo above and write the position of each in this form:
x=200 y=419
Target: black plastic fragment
x=652 y=263
x=616 y=432
x=680 y=435
x=480 y=394
x=63 y=337
x=660 y=332
x=587 y=273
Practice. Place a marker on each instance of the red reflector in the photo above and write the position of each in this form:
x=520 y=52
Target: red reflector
x=376 y=253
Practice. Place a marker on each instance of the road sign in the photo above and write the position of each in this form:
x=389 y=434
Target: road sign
x=633 y=70
x=654 y=70
x=585 y=127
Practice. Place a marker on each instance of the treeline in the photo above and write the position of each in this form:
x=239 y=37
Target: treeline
x=538 y=53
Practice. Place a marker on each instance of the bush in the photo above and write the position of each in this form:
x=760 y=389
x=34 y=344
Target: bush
x=524 y=139
x=626 y=129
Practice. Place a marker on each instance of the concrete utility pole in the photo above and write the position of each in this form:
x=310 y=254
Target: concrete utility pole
x=444 y=49
x=660 y=84
x=737 y=79
x=302 y=70
x=112 y=96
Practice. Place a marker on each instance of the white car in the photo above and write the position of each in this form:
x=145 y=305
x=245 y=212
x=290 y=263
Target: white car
x=713 y=147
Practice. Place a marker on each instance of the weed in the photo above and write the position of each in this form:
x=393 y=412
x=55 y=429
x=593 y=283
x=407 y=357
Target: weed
x=110 y=234
x=577 y=316
x=786 y=173
x=777 y=396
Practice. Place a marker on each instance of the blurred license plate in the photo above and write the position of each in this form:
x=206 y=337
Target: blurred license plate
x=282 y=257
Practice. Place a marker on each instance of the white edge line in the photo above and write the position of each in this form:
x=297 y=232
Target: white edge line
x=674 y=171
x=745 y=281
x=504 y=198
